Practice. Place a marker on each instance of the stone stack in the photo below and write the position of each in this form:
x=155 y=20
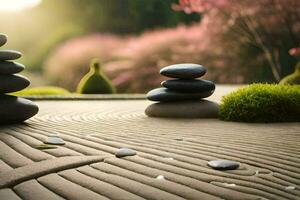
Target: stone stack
x=182 y=96
x=13 y=109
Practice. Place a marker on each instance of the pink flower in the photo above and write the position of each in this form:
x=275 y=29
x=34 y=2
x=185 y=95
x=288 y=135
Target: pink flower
x=198 y=6
x=295 y=51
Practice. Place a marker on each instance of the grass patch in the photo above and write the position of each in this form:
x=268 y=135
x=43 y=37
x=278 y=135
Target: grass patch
x=42 y=91
x=262 y=103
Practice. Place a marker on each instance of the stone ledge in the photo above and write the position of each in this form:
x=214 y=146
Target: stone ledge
x=74 y=97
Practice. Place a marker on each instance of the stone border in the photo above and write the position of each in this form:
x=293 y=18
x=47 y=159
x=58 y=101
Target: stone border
x=74 y=97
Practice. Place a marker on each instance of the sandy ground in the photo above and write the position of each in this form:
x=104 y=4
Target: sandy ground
x=176 y=149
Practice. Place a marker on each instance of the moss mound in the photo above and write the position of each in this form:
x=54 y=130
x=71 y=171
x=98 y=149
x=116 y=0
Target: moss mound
x=49 y=90
x=262 y=103
x=95 y=81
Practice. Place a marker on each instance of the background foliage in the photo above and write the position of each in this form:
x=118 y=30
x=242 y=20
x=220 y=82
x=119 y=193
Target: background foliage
x=135 y=38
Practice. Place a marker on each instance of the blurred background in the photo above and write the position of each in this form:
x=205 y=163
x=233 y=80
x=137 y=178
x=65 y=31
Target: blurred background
x=239 y=42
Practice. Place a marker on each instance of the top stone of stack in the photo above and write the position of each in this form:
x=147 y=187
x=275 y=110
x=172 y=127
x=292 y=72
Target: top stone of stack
x=183 y=71
x=3 y=39
x=5 y=66
x=6 y=55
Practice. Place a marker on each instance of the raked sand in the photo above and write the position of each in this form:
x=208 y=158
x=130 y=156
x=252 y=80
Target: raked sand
x=171 y=160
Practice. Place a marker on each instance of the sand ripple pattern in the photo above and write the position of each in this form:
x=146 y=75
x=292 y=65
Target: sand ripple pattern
x=177 y=149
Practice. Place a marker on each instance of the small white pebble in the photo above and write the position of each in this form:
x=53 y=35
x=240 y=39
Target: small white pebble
x=122 y=152
x=229 y=184
x=55 y=140
x=291 y=187
x=223 y=164
x=160 y=177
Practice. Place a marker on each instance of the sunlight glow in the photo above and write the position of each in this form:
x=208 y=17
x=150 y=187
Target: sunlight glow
x=17 y=5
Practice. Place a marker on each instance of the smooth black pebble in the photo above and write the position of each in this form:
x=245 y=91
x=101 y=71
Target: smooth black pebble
x=182 y=85
x=3 y=39
x=10 y=67
x=9 y=55
x=166 y=95
x=183 y=71
x=15 y=109
x=13 y=83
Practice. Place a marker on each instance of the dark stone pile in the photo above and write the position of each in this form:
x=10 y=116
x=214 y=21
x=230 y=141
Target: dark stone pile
x=13 y=109
x=183 y=96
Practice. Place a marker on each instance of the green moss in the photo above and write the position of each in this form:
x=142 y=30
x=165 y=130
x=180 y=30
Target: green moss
x=294 y=78
x=262 y=103
x=49 y=90
x=95 y=81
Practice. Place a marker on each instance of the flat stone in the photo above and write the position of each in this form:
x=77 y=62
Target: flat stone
x=166 y=95
x=9 y=55
x=183 y=71
x=15 y=109
x=54 y=140
x=122 y=152
x=10 y=67
x=182 y=85
x=223 y=164
x=187 y=109
x=13 y=83
x=3 y=39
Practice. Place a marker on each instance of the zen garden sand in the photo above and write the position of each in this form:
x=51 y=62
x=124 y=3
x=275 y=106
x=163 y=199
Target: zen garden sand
x=106 y=147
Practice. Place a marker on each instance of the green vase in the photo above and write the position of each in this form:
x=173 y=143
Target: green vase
x=294 y=78
x=95 y=81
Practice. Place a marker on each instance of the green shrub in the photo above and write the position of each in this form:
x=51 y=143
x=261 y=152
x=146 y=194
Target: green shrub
x=262 y=103
x=294 y=78
x=49 y=90
x=95 y=81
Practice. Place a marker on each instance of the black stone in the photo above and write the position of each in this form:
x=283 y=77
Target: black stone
x=13 y=83
x=3 y=39
x=10 y=67
x=183 y=71
x=165 y=95
x=223 y=164
x=9 y=55
x=182 y=85
x=15 y=110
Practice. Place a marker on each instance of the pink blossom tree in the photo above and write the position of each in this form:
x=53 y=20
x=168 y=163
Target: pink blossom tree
x=294 y=51
x=262 y=23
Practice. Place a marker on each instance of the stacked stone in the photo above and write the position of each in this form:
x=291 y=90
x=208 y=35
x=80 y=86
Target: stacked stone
x=182 y=96
x=13 y=109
